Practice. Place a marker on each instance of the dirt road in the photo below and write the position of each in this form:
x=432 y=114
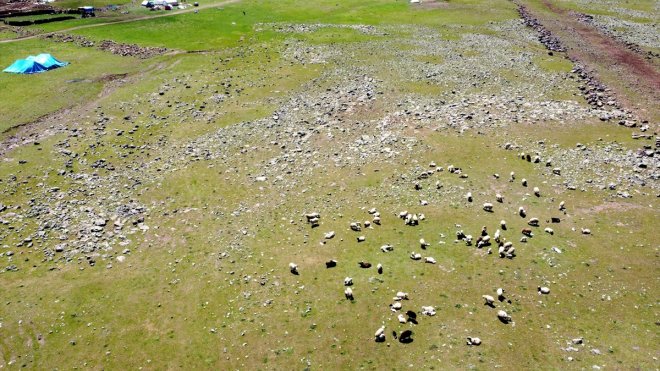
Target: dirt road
x=634 y=80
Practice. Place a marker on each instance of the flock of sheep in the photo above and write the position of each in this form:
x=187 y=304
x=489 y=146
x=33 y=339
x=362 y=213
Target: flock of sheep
x=484 y=240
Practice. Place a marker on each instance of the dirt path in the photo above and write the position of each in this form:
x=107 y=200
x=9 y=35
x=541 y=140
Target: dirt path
x=634 y=80
x=52 y=123
x=168 y=14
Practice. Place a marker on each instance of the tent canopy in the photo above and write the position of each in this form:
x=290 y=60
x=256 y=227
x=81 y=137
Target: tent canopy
x=35 y=64
x=47 y=61
x=25 y=66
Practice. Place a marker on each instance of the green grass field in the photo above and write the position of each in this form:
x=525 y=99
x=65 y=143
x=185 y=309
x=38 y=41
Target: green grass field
x=229 y=140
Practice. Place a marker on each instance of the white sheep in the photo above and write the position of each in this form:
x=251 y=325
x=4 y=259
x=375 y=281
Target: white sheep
x=468 y=240
x=329 y=235
x=380 y=334
x=497 y=236
x=488 y=207
x=537 y=192
x=293 y=267
x=543 y=290
x=396 y=306
x=586 y=231
x=402 y=319
x=348 y=281
x=348 y=293
x=468 y=196
x=534 y=222
x=355 y=226
x=376 y=220
x=379 y=268
x=372 y=210
x=403 y=214
x=489 y=300
x=504 y=316
x=512 y=176
x=524 y=182
x=429 y=260
x=401 y=296
x=473 y=341
x=503 y=224
x=500 y=293
x=415 y=256
x=522 y=212
x=549 y=231
x=562 y=206
x=499 y=198
x=386 y=248
x=423 y=244
x=428 y=310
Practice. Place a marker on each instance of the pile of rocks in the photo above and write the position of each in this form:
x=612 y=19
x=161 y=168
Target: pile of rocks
x=545 y=36
x=125 y=50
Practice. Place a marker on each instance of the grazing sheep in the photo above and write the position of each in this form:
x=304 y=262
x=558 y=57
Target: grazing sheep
x=484 y=231
x=401 y=296
x=489 y=300
x=586 y=231
x=423 y=244
x=372 y=210
x=331 y=264
x=488 y=207
x=555 y=220
x=527 y=232
x=367 y=224
x=428 y=311
x=468 y=240
x=496 y=176
x=386 y=248
x=503 y=224
x=402 y=319
x=537 y=192
x=499 y=198
x=361 y=238
x=497 y=236
x=523 y=239
x=451 y=169
x=412 y=316
x=522 y=212
x=507 y=250
x=356 y=226
x=379 y=267
x=396 y=306
x=468 y=196
x=349 y=293
x=473 y=341
x=293 y=267
x=415 y=256
x=418 y=187
x=406 y=337
x=403 y=214
x=528 y=158
x=512 y=176
x=364 y=265
x=524 y=182
x=500 y=294
x=503 y=316
x=489 y=251
x=348 y=281
x=376 y=220
x=380 y=334
x=543 y=290
x=562 y=206
x=460 y=235
x=536 y=159
x=313 y=219
x=549 y=231
x=429 y=260
x=556 y=171
x=329 y=235
x=534 y=222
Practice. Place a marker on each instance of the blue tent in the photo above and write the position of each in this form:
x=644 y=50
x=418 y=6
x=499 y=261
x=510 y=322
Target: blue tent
x=25 y=66
x=47 y=61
